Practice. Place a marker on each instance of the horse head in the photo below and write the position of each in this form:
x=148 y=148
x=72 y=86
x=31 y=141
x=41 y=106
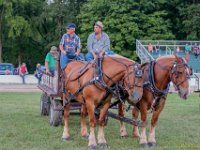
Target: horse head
x=133 y=83
x=176 y=70
x=180 y=73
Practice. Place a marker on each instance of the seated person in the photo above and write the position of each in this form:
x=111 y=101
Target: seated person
x=150 y=48
x=157 y=48
x=50 y=62
x=38 y=72
x=70 y=46
x=98 y=43
x=188 y=48
x=196 y=50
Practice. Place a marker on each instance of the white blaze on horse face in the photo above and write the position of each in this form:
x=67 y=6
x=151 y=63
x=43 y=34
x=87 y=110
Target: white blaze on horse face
x=134 y=87
x=183 y=82
x=188 y=71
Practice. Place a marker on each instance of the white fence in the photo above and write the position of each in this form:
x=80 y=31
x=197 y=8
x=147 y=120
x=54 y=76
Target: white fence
x=30 y=79
x=16 y=79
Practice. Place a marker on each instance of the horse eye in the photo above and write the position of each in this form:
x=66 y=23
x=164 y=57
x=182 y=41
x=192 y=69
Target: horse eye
x=190 y=71
x=179 y=72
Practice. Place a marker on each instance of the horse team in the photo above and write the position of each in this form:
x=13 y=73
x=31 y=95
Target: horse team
x=143 y=86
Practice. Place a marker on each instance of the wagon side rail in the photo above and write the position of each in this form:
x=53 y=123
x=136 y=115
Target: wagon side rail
x=52 y=85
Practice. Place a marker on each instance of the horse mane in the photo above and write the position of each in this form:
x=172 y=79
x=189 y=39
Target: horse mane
x=119 y=56
x=144 y=64
x=166 y=57
x=177 y=58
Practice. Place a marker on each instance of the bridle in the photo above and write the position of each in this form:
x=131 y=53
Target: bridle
x=175 y=72
x=137 y=73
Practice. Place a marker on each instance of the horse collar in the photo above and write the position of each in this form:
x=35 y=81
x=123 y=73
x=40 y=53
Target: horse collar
x=150 y=82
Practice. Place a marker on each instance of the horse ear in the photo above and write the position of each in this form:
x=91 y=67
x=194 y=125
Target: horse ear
x=177 y=58
x=187 y=57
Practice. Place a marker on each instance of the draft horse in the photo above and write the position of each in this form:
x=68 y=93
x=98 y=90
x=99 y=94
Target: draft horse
x=157 y=77
x=82 y=85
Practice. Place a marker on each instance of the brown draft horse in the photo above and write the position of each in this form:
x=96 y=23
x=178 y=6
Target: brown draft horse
x=157 y=76
x=79 y=74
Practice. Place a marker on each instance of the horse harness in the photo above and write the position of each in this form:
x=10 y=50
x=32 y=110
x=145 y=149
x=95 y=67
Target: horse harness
x=149 y=82
x=116 y=88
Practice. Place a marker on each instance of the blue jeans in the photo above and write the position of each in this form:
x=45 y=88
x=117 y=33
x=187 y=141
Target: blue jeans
x=89 y=56
x=38 y=76
x=65 y=59
x=23 y=77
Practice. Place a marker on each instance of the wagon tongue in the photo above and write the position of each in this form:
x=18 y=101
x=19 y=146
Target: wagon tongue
x=123 y=119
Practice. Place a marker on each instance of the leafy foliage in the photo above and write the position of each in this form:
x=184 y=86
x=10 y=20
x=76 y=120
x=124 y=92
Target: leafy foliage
x=125 y=21
x=29 y=28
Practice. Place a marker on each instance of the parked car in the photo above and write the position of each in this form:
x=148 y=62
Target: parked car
x=6 y=69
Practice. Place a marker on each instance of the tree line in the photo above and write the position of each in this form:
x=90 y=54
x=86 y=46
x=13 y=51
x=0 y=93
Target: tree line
x=29 y=28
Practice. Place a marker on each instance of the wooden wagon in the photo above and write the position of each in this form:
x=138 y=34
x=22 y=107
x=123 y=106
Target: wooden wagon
x=51 y=103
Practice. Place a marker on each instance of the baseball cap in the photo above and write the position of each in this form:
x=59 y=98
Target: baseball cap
x=71 y=25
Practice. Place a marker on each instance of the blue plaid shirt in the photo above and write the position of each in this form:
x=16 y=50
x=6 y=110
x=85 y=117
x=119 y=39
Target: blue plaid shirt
x=70 y=44
x=98 y=45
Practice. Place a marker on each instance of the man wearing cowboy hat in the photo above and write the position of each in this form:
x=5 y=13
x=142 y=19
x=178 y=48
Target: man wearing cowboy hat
x=98 y=43
x=50 y=62
x=70 y=46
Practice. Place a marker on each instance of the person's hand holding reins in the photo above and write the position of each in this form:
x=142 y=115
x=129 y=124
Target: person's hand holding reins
x=64 y=52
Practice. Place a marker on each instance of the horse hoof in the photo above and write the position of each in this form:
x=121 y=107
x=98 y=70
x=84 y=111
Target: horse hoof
x=66 y=139
x=152 y=144
x=102 y=145
x=86 y=137
x=136 y=136
x=144 y=145
x=124 y=136
x=91 y=147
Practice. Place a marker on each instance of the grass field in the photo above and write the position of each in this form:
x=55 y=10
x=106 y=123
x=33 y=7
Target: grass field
x=22 y=127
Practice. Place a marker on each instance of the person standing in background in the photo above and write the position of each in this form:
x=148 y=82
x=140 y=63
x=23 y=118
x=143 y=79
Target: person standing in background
x=23 y=71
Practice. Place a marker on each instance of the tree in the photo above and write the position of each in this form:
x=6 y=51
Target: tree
x=30 y=28
x=125 y=21
x=17 y=19
x=190 y=21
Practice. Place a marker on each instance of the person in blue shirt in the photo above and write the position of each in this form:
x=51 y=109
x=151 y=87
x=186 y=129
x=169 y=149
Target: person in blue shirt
x=98 y=43
x=70 y=46
x=38 y=73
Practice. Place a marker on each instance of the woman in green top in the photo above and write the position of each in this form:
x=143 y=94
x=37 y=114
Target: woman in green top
x=187 y=48
x=50 y=62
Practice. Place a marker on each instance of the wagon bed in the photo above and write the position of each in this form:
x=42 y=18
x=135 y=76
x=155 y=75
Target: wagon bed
x=51 y=100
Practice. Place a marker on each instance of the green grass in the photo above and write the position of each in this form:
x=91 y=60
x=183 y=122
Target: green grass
x=22 y=127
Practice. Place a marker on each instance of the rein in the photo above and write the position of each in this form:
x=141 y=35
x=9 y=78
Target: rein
x=82 y=71
x=137 y=72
